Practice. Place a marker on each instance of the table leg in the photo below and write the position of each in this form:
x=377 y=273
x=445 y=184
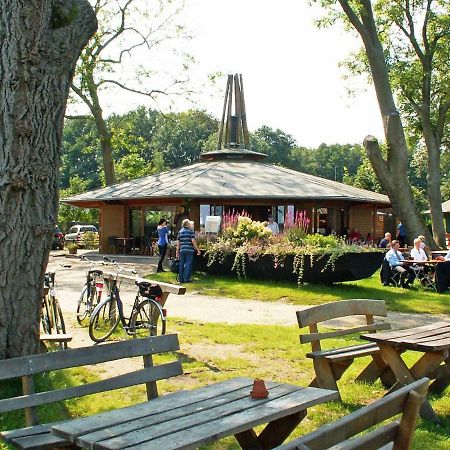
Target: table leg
x=273 y=435
x=404 y=377
x=442 y=378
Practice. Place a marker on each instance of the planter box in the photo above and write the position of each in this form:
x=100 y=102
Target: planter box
x=348 y=267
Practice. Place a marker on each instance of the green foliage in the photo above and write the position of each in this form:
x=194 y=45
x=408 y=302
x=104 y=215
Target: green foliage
x=89 y=240
x=181 y=137
x=276 y=144
x=69 y=213
x=248 y=240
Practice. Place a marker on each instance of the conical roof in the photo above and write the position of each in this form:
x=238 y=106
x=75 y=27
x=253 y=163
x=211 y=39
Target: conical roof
x=228 y=178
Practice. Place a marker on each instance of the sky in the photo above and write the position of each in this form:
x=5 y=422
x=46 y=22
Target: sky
x=290 y=68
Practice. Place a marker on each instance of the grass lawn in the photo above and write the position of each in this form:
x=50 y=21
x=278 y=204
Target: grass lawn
x=413 y=300
x=214 y=352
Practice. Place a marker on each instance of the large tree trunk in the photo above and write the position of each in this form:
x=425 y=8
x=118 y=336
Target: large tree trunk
x=40 y=43
x=392 y=172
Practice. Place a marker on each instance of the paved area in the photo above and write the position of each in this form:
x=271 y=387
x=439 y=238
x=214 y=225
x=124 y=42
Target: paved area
x=191 y=306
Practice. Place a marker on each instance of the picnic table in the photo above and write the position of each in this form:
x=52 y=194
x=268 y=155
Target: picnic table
x=188 y=419
x=433 y=341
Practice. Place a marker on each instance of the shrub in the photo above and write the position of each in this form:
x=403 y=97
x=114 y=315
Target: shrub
x=89 y=240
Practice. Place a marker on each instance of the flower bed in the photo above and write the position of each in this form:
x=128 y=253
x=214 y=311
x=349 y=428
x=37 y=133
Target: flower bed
x=248 y=249
x=348 y=267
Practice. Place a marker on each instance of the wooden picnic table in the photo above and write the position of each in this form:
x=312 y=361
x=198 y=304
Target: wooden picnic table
x=433 y=341
x=188 y=419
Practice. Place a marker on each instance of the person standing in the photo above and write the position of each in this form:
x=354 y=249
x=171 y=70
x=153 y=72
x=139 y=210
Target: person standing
x=186 y=246
x=180 y=216
x=163 y=241
x=401 y=234
x=273 y=226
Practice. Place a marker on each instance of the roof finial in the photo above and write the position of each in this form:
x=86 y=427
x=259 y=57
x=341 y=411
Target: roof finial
x=233 y=131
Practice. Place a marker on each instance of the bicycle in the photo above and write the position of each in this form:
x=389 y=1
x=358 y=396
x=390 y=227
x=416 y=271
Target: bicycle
x=147 y=317
x=52 y=319
x=90 y=293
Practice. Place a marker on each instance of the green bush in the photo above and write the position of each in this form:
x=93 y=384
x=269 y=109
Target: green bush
x=89 y=240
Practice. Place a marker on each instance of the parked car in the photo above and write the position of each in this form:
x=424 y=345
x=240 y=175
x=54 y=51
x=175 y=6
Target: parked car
x=58 y=239
x=75 y=233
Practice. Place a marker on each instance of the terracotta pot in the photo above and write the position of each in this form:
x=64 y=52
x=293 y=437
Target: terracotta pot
x=259 y=389
x=73 y=251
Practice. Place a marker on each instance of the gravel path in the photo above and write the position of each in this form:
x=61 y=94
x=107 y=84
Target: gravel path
x=197 y=307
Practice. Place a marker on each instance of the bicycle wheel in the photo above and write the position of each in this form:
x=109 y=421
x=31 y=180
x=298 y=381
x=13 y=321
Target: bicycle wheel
x=147 y=320
x=104 y=320
x=60 y=326
x=86 y=304
x=45 y=317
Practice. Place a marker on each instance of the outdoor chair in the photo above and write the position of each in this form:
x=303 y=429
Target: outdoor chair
x=113 y=244
x=426 y=279
x=147 y=247
x=388 y=276
x=331 y=364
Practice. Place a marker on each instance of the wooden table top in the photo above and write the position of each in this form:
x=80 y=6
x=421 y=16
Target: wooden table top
x=428 y=261
x=187 y=419
x=428 y=338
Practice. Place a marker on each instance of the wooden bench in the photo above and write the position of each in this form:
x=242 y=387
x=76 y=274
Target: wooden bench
x=330 y=365
x=60 y=339
x=38 y=436
x=396 y=435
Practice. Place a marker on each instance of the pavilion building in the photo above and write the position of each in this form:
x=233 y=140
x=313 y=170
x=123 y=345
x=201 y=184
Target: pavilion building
x=232 y=178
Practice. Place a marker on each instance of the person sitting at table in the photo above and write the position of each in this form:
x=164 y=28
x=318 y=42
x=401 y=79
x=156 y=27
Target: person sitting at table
x=396 y=262
x=355 y=235
x=442 y=273
x=417 y=252
x=386 y=241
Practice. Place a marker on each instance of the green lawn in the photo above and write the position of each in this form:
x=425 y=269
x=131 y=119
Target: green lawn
x=214 y=352
x=413 y=300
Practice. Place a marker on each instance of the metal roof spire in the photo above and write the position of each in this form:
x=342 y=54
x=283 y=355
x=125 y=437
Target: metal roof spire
x=233 y=141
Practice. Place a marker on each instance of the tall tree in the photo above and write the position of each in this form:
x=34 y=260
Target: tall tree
x=127 y=28
x=40 y=44
x=392 y=168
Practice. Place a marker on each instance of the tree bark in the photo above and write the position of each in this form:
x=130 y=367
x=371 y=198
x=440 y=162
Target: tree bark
x=392 y=171
x=40 y=44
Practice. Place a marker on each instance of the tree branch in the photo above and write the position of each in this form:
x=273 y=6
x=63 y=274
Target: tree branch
x=83 y=97
x=76 y=117
x=136 y=91
x=354 y=19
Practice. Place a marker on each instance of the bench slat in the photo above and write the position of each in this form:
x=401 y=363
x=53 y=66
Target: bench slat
x=56 y=337
x=305 y=338
x=154 y=373
x=344 y=351
x=342 y=308
x=41 y=442
x=44 y=362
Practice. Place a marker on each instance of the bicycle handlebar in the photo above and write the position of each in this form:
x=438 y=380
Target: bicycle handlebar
x=121 y=268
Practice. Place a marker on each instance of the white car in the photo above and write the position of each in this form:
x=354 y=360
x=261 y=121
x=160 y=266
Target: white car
x=76 y=232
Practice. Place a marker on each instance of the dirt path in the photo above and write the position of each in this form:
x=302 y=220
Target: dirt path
x=197 y=307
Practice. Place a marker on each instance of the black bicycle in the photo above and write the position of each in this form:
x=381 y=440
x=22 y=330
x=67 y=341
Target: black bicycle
x=52 y=319
x=91 y=293
x=147 y=317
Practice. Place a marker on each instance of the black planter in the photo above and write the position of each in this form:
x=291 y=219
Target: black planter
x=348 y=267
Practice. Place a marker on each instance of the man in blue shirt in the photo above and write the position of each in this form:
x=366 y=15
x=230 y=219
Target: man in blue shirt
x=401 y=234
x=186 y=246
x=396 y=262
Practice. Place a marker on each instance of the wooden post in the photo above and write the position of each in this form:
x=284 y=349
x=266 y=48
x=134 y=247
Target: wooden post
x=244 y=116
x=219 y=141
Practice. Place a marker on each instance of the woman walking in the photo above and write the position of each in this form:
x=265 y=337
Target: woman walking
x=186 y=246
x=163 y=241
